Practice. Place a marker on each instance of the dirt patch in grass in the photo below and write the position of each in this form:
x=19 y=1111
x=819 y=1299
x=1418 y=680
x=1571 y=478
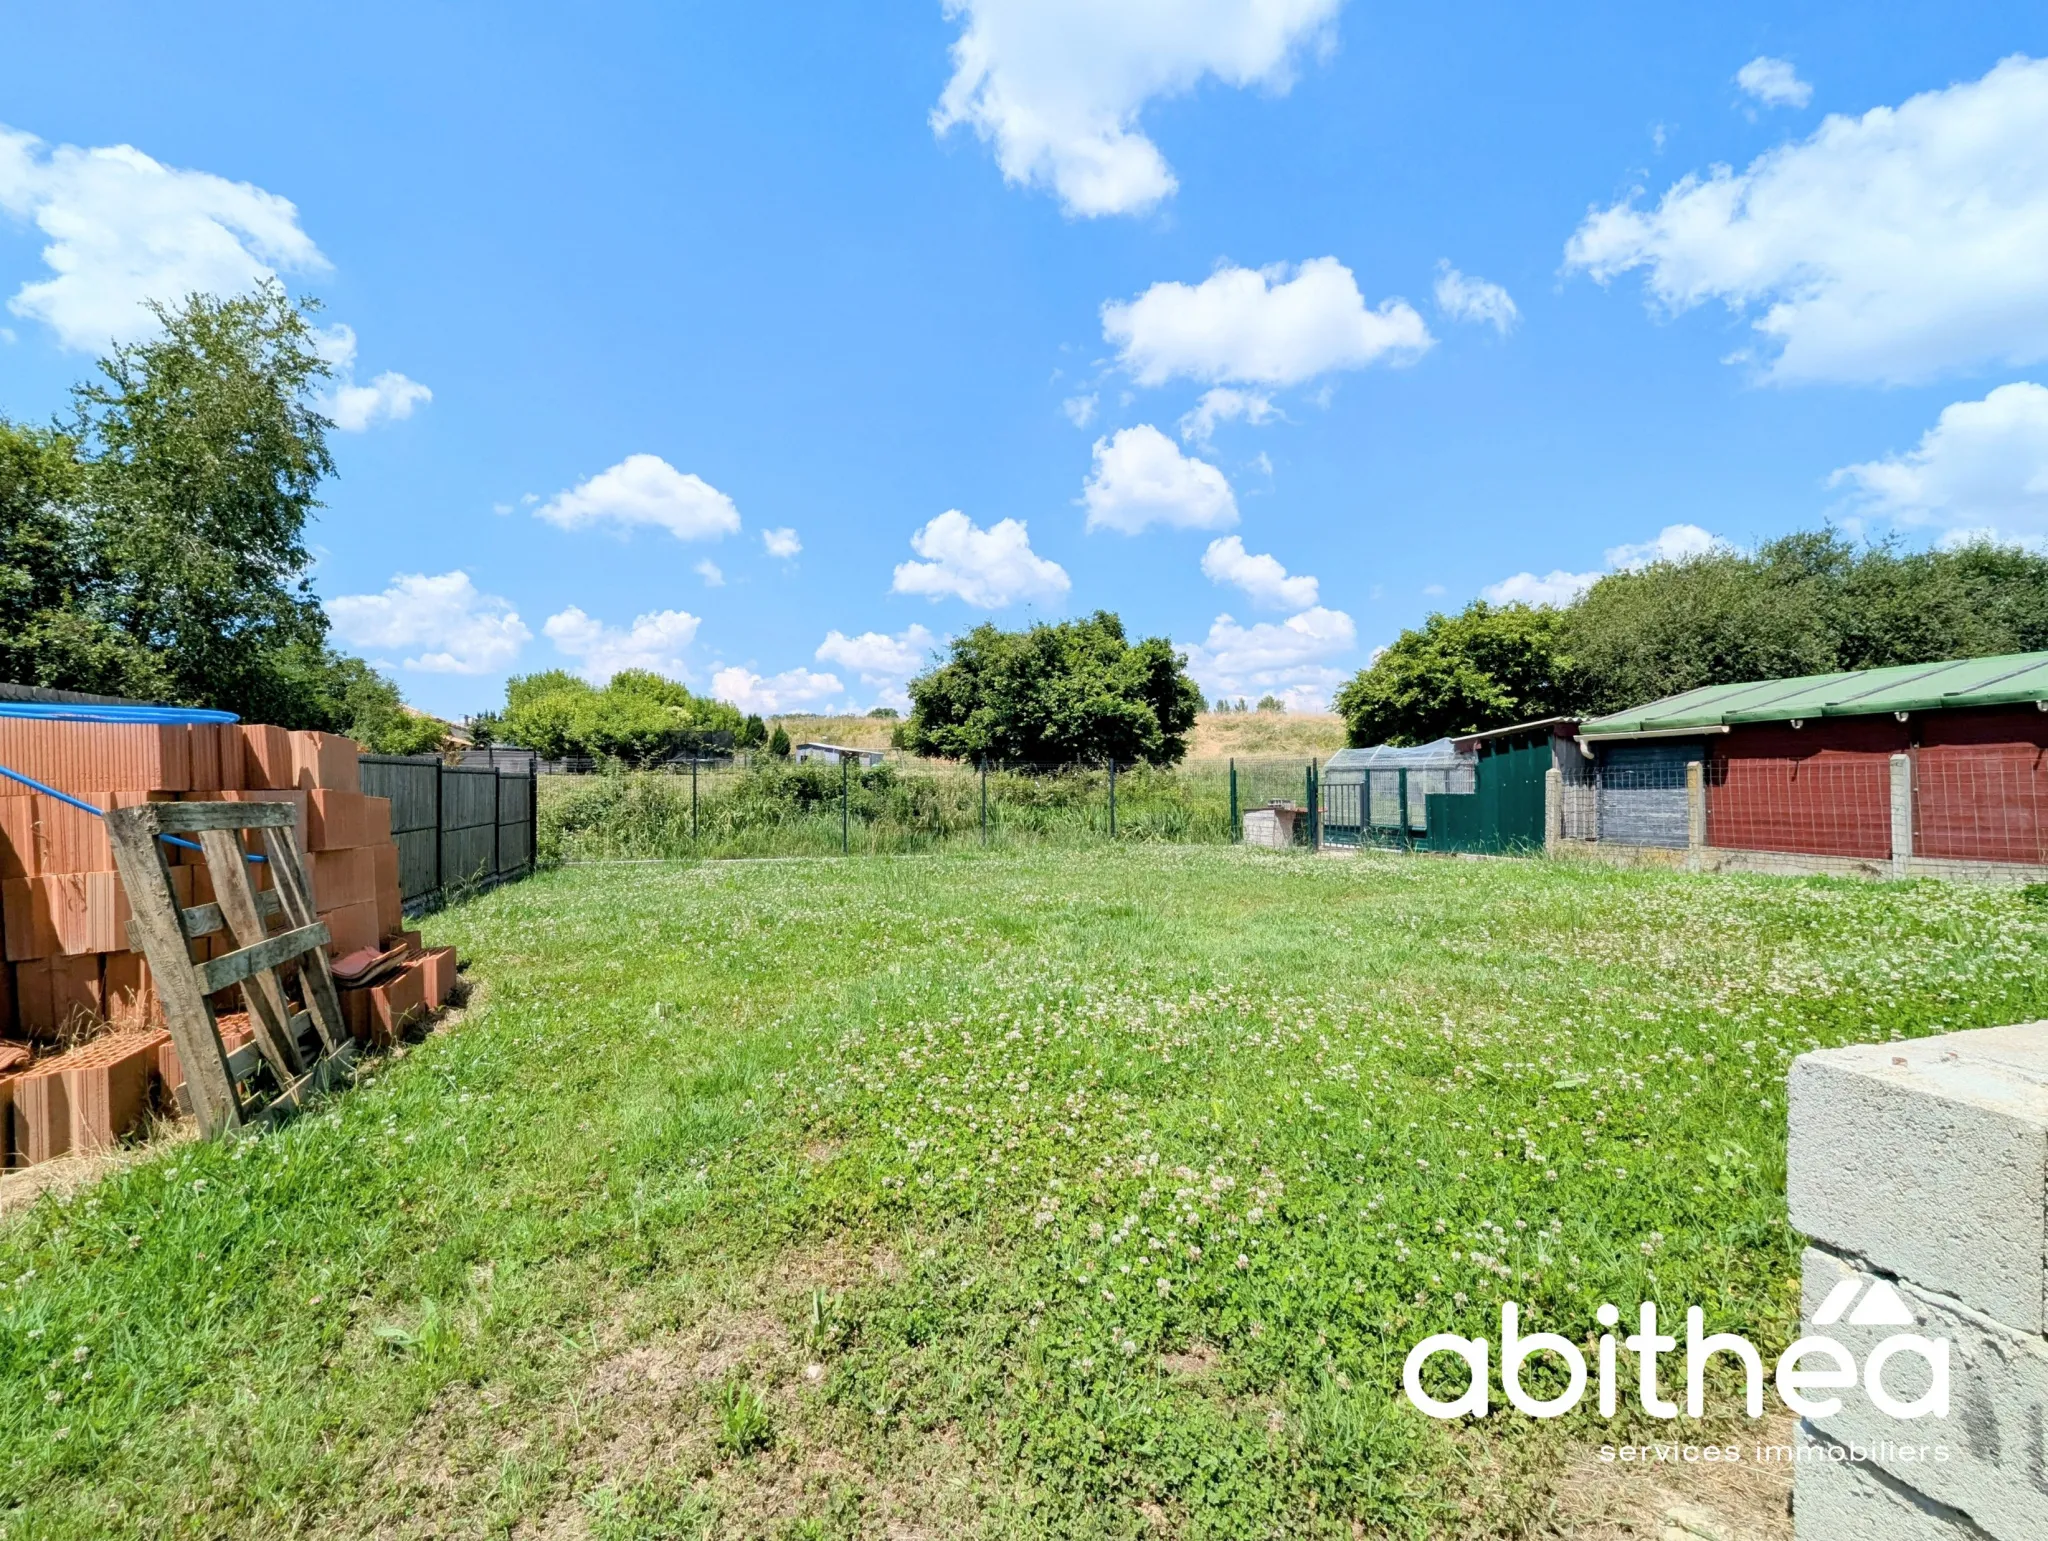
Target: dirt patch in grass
x=1745 y=1500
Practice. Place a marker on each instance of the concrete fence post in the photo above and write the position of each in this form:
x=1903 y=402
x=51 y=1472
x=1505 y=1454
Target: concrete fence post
x=1695 y=812
x=1553 y=810
x=1902 y=815
x=1919 y=1173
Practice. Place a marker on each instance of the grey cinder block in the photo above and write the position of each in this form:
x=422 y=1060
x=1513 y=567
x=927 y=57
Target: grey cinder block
x=1998 y=1395
x=1847 y=1501
x=1929 y=1160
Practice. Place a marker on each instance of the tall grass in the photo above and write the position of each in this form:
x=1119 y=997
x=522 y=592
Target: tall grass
x=794 y=810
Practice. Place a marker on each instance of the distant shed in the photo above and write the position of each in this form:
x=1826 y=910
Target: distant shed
x=1386 y=788
x=1805 y=765
x=833 y=754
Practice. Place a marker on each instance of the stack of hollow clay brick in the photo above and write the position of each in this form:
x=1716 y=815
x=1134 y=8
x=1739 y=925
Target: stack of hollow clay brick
x=83 y=1049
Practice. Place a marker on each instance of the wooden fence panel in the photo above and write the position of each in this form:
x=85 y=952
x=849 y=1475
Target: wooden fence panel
x=453 y=824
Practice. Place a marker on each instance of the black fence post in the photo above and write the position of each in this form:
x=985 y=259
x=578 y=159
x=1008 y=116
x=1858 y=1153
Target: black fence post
x=1407 y=831
x=440 y=882
x=693 y=799
x=533 y=816
x=497 y=827
x=1235 y=832
x=1112 y=798
x=845 y=818
x=984 y=802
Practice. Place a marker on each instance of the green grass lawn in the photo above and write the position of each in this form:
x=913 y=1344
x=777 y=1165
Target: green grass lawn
x=1062 y=1193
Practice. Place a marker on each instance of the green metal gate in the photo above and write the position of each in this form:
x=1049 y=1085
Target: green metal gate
x=1505 y=813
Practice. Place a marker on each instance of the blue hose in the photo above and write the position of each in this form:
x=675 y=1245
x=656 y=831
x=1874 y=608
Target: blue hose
x=65 y=797
x=86 y=711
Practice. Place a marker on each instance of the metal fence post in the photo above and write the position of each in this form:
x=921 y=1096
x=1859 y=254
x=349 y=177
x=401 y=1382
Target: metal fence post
x=984 y=802
x=1315 y=807
x=1407 y=833
x=533 y=816
x=845 y=818
x=693 y=799
x=1236 y=834
x=1112 y=797
x=497 y=827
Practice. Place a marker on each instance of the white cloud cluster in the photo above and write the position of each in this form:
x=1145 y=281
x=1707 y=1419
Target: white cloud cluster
x=1260 y=327
x=656 y=641
x=1982 y=469
x=1224 y=404
x=1464 y=298
x=988 y=568
x=883 y=661
x=1141 y=478
x=355 y=408
x=645 y=489
x=712 y=574
x=1673 y=543
x=1887 y=248
x=1262 y=577
x=444 y=621
x=793 y=690
x=124 y=228
x=781 y=543
x=1290 y=659
x=1056 y=86
x=1773 y=82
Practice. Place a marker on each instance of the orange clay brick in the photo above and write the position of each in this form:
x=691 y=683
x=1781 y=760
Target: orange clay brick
x=384 y=882
x=343 y=878
x=326 y=761
x=266 y=757
x=68 y=913
x=85 y=1099
x=439 y=980
x=53 y=995
x=80 y=757
x=351 y=927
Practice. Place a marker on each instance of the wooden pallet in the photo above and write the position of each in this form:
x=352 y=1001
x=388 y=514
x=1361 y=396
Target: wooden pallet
x=306 y=1048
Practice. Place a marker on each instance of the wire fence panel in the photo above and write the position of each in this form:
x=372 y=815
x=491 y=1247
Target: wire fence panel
x=1812 y=805
x=1640 y=797
x=1981 y=803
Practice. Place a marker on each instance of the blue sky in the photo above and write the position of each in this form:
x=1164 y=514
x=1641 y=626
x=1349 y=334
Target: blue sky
x=770 y=346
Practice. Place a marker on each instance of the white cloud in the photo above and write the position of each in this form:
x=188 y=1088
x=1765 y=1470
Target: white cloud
x=448 y=625
x=355 y=408
x=1260 y=327
x=781 y=543
x=1773 y=82
x=645 y=489
x=790 y=691
x=1887 y=248
x=1080 y=410
x=712 y=574
x=1057 y=85
x=883 y=661
x=989 y=568
x=656 y=641
x=1464 y=298
x=1289 y=659
x=1141 y=478
x=1222 y=404
x=124 y=228
x=1261 y=577
x=1673 y=543
x=1982 y=469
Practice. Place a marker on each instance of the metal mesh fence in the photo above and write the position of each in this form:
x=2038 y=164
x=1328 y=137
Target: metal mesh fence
x=1987 y=804
x=1815 y=805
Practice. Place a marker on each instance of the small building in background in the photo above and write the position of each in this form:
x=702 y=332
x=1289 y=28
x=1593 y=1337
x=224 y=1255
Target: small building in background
x=1276 y=826
x=833 y=754
x=1481 y=792
x=1907 y=769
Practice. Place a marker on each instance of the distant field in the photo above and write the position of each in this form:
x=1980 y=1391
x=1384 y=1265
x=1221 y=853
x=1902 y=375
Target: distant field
x=1217 y=735
x=1054 y=1194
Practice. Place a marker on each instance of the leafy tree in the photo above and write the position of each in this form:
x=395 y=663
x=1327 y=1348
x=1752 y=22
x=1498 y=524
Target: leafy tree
x=202 y=455
x=888 y=712
x=778 y=743
x=1073 y=693
x=637 y=717
x=50 y=571
x=753 y=732
x=1271 y=703
x=1486 y=667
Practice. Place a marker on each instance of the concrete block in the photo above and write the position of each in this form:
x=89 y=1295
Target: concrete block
x=1929 y=1160
x=1993 y=1470
x=1844 y=1500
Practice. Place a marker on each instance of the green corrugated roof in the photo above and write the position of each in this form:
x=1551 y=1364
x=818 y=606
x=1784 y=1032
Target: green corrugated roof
x=1916 y=687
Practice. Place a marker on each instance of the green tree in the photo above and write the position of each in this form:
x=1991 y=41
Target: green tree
x=753 y=733
x=50 y=574
x=1485 y=667
x=203 y=452
x=778 y=743
x=638 y=717
x=1077 y=692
